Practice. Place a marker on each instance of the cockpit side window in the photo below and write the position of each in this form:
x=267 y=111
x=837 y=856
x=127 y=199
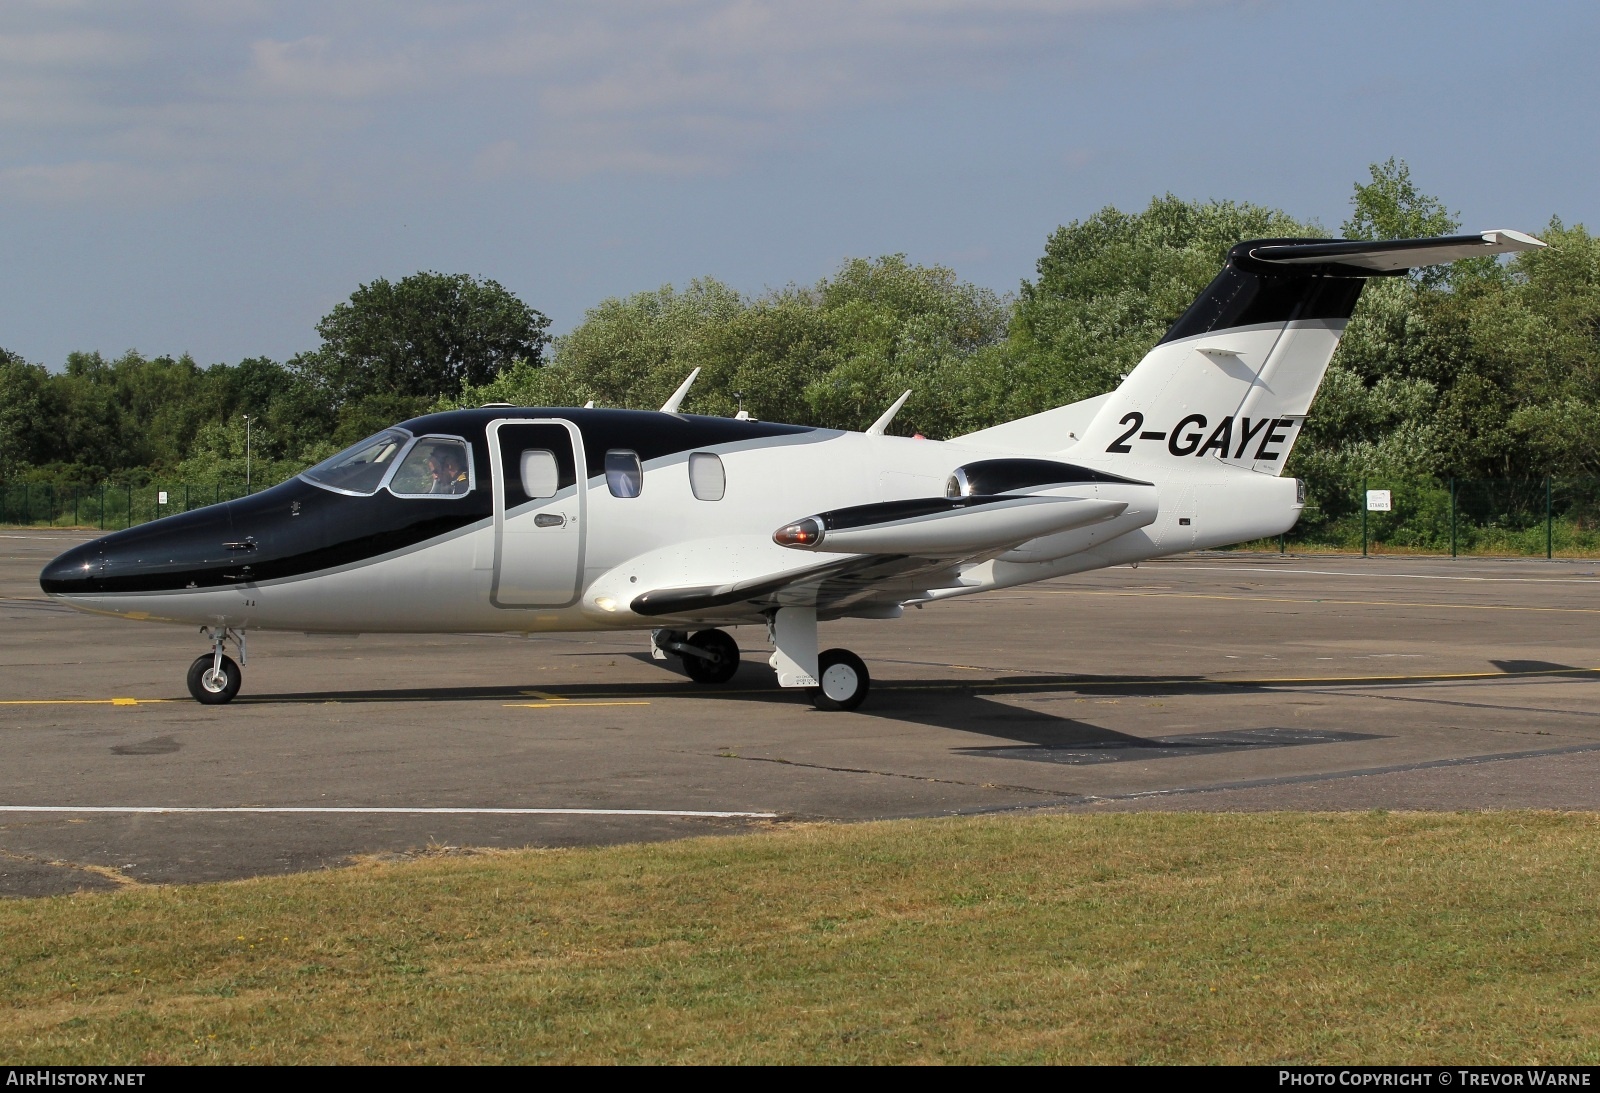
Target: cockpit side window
x=624 y=476
x=360 y=468
x=436 y=466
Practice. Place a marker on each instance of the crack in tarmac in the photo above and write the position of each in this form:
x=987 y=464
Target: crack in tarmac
x=897 y=774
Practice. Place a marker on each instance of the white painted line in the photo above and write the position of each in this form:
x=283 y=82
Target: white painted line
x=1264 y=569
x=347 y=811
x=51 y=538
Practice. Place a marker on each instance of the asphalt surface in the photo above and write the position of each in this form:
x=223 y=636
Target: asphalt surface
x=1201 y=682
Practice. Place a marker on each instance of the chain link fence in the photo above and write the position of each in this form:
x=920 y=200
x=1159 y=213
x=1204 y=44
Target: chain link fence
x=108 y=506
x=1532 y=517
x=1511 y=517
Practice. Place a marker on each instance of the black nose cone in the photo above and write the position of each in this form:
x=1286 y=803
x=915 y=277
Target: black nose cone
x=74 y=571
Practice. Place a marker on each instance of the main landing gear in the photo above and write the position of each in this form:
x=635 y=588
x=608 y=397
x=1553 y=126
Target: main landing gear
x=836 y=678
x=842 y=680
x=214 y=678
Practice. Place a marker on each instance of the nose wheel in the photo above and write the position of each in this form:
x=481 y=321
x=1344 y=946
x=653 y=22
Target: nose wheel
x=213 y=684
x=214 y=678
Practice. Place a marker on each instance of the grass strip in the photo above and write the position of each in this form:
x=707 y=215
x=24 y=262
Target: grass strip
x=1144 y=938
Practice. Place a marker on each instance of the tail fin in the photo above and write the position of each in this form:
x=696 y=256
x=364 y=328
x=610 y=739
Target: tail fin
x=1234 y=378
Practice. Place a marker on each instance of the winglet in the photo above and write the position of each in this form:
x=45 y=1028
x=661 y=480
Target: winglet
x=671 y=405
x=877 y=427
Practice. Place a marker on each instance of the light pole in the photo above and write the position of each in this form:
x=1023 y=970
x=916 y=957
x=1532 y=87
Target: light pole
x=246 y=453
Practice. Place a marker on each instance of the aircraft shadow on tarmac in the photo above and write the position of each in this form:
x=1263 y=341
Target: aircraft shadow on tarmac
x=1042 y=737
x=962 y=705
x=753 y=683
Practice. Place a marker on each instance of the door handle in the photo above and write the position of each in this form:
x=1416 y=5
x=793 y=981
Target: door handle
x=549 y=520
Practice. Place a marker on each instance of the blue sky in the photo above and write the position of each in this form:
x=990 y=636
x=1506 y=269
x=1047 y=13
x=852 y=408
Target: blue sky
x=211 y=176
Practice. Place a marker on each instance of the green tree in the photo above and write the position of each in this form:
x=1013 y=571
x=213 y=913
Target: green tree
x=25 y=414
x=1110 y=286
x=835 y=353
x=420 y=336
x=891 y=325
x=1391 y=207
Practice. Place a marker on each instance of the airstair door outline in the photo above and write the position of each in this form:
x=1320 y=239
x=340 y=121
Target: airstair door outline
x=540 y=516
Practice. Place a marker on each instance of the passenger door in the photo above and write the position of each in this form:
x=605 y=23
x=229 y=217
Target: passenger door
x=539 y=513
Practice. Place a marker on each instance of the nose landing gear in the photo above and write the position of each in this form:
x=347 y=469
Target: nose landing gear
x=214 y=678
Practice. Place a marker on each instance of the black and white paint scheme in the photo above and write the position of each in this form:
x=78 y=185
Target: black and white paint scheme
x=538 y=520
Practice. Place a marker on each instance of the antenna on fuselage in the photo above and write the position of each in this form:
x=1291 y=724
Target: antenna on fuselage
x=589 y=405
x=877 y=427
x=671 y=405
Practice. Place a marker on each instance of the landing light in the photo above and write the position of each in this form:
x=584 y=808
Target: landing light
x=801 y=533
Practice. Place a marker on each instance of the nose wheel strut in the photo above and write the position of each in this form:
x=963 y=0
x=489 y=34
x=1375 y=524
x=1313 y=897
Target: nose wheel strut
x=214 y=678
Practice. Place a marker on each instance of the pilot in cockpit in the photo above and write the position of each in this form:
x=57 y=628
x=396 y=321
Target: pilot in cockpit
x=447 y=469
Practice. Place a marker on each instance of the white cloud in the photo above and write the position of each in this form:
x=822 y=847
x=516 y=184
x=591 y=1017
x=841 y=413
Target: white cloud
x=311 y=68
x=245 y=94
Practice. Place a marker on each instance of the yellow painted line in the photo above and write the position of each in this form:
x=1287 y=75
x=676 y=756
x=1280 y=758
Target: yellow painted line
x=1345 y=603
x=566 y=704
x=1062 y=684
x=82 y=701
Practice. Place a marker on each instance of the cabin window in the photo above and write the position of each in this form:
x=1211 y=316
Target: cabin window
x=436 y=466
x=540 y=474
x=360 y=468
x=706 y=476
x=624 y=476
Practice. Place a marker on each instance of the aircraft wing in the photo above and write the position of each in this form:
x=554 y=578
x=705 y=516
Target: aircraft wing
x=863 y=560
x=860 y=584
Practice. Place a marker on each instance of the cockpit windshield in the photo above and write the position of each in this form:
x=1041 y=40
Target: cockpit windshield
x=360 y=468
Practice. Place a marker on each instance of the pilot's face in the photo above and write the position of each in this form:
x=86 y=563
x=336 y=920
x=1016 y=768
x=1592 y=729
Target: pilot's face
x=443 y=469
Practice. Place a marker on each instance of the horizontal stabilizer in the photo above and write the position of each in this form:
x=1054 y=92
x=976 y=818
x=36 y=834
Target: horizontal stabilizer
x=1359 y=258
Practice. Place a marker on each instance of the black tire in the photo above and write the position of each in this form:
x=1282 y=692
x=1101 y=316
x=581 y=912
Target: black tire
x=204 y=688
x=846 y=688
x=719 y=670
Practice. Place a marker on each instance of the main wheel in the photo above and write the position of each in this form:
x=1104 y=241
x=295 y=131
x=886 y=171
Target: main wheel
x=210 y=687
x=719 y=670
x=843 y=678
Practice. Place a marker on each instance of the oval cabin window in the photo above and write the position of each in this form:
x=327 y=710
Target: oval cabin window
x=540 y=475
x=706 y=476
x=624 y=476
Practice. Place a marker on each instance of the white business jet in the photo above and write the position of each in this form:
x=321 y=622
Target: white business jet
x=567 y=520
